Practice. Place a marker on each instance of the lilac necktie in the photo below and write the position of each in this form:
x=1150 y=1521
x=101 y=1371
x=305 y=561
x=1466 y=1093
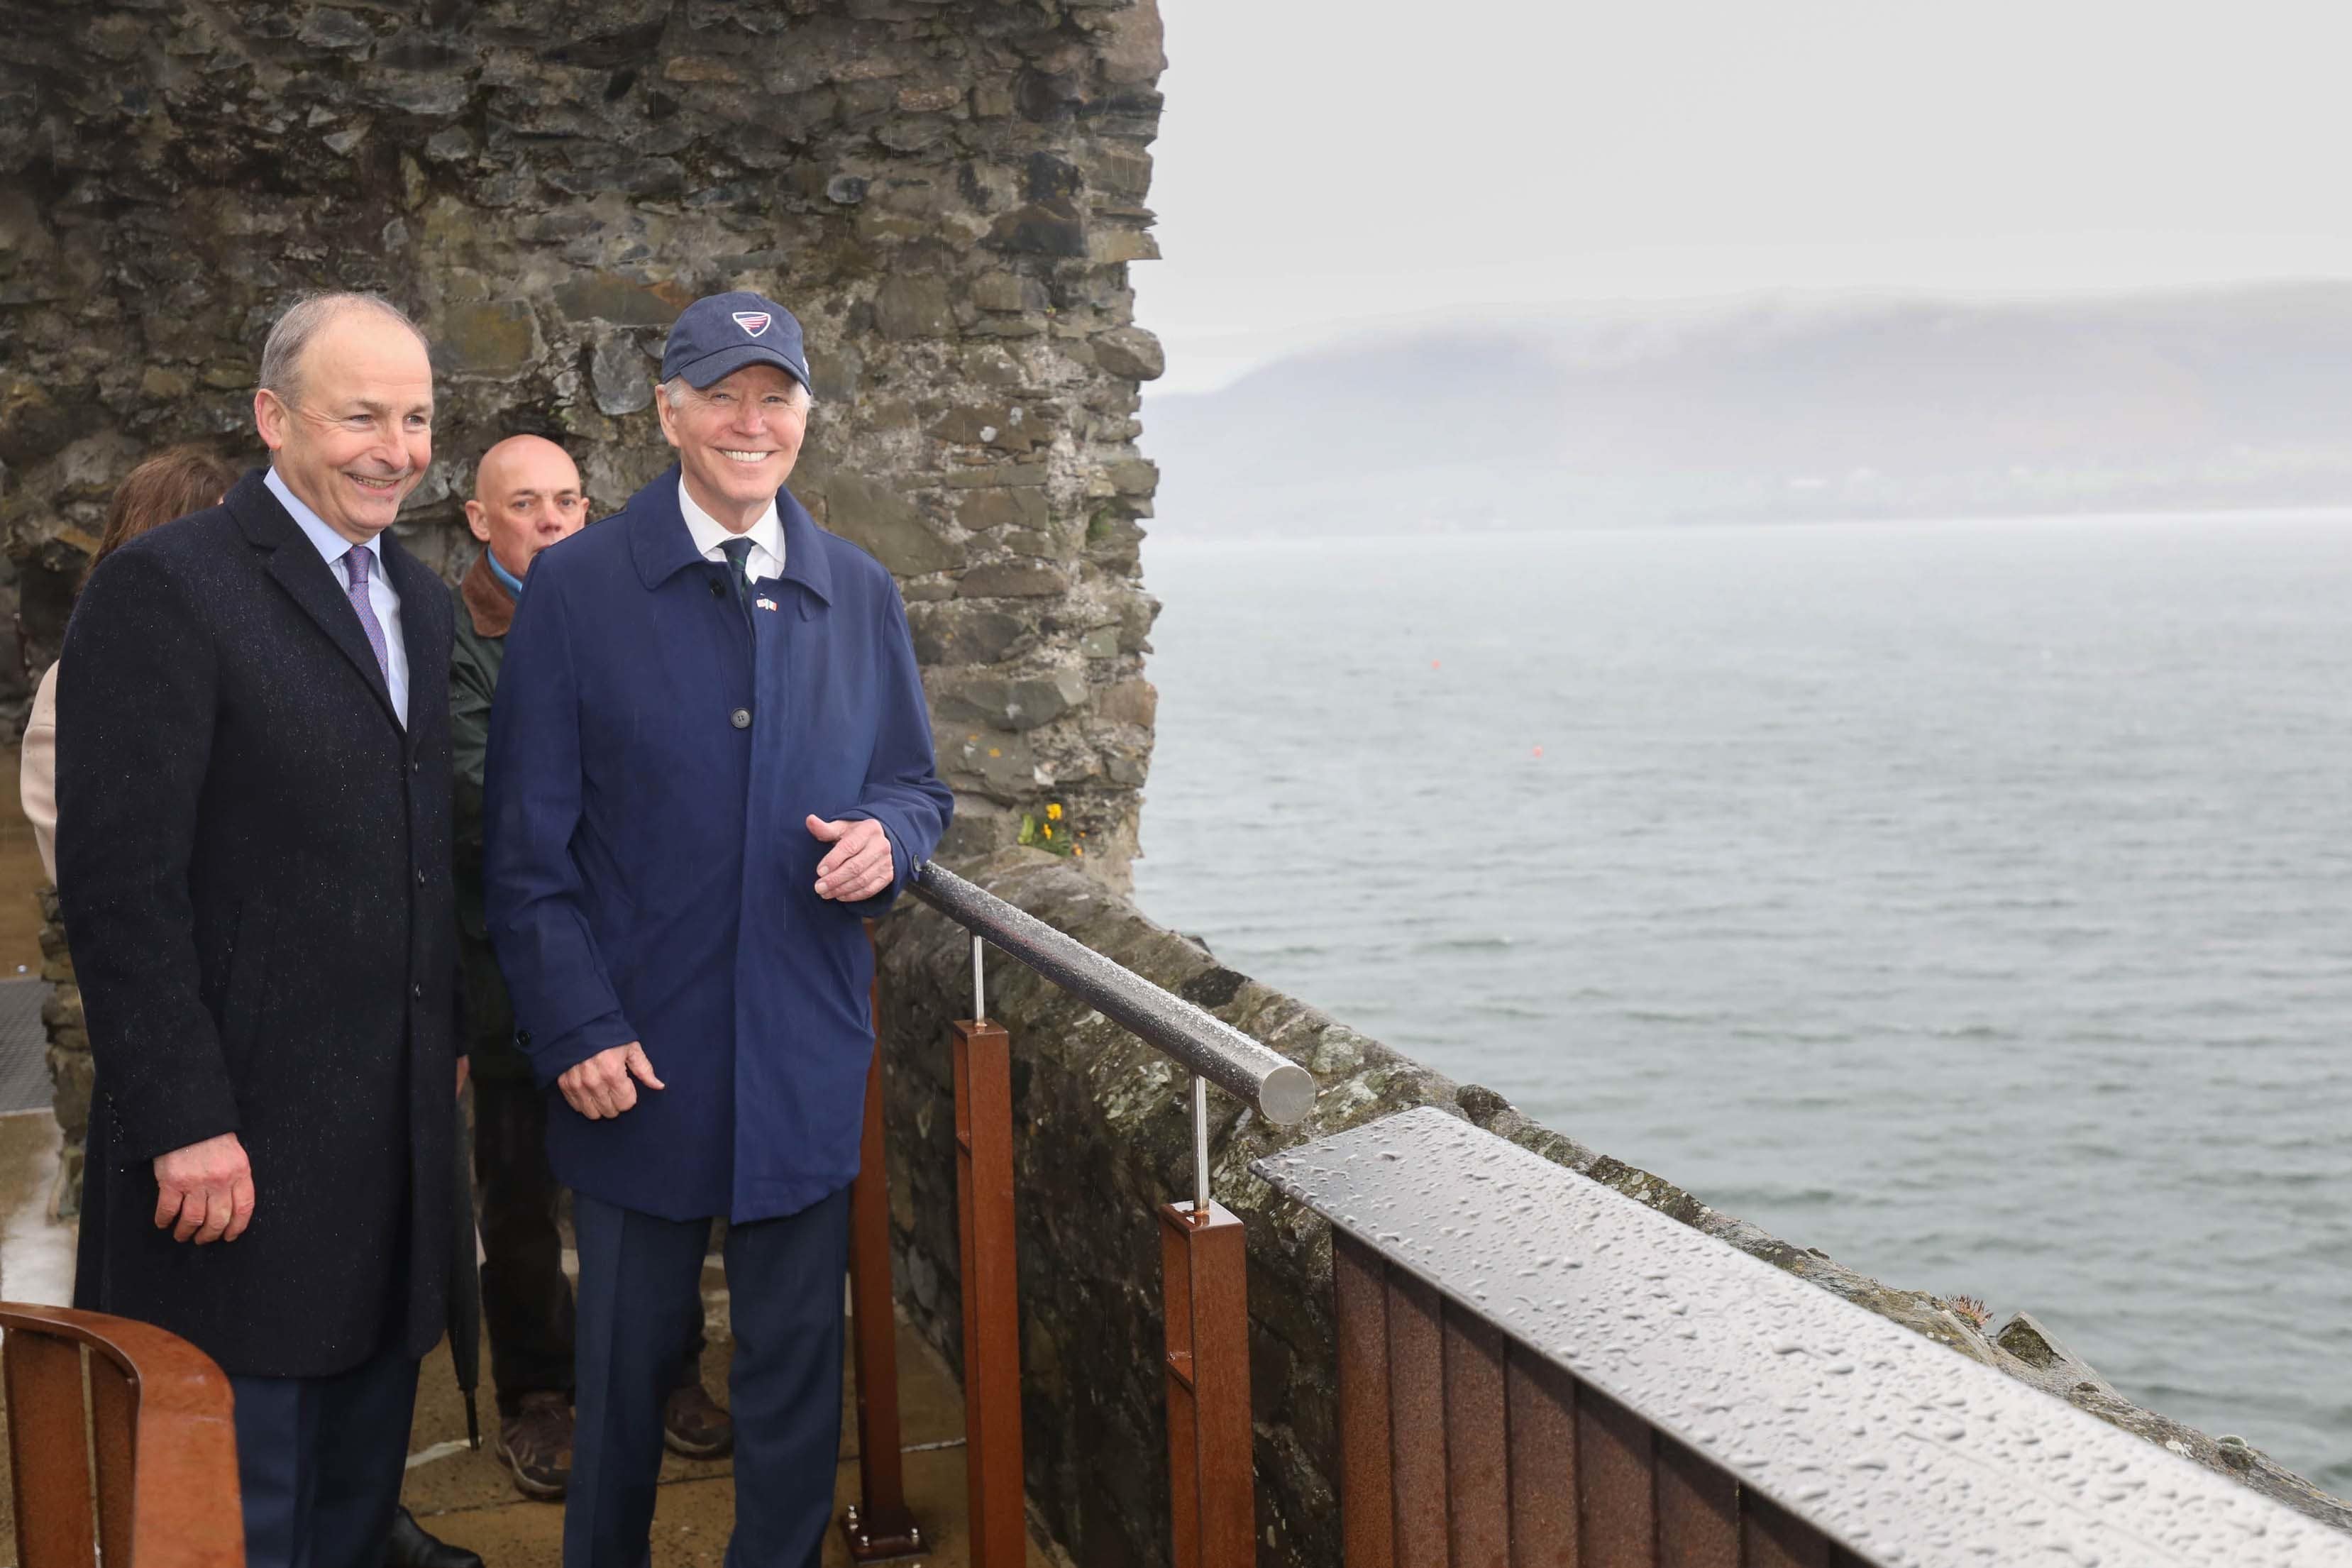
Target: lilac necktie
x=356 y=562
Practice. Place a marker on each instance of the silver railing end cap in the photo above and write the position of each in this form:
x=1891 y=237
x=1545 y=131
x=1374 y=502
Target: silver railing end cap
x=1286 y=1095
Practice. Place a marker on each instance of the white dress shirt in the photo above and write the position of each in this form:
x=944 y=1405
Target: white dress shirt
x=766 y=534
x=383 y=597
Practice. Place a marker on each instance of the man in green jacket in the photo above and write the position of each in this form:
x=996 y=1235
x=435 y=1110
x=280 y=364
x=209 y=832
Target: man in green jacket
x=527 y=496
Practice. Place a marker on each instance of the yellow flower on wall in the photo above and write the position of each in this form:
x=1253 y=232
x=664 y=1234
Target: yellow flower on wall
x=1038 y=830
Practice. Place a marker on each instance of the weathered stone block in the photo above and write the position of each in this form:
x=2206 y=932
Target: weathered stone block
x=1006 y=326
x=1120 y=171
x=1013 y=580
x=493 y=337
x=1130 y=352
x=1117 y=244
x=1133 y=476
x=914 y=307
x=1135 y=618
x=990 y=761
x=1007 y=702
x=1037 y=544
x=964 y=632
x=995 y=474
x=623 y=301
x=33 y=424
x=1131 y=47
x=885 y=524
x=1114 y=540
x=1007 y=427
x=1009 y=292
x=1038 y=229
x=1013 y=507
x=338 y=32
x=622 y=373
x=156 y=381
x=72 y=1074
x=1133 y=703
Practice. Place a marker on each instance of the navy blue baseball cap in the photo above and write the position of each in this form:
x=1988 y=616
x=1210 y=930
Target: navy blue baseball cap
x=720 y=334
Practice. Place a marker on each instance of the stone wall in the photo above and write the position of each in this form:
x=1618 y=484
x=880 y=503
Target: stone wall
x=946 y=192
x=71 y=1070
x=1102 y=1135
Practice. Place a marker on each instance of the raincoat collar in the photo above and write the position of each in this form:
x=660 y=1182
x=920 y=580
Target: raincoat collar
x=663 y=547
x=490 y=603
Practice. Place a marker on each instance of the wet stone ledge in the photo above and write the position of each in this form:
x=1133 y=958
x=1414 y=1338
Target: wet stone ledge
x=1102 y=1134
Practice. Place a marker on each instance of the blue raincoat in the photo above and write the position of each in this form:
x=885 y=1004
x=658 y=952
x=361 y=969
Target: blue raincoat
x=648 y=875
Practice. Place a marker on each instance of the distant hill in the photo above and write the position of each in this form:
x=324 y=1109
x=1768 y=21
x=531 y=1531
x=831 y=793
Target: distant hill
x=1778 y=408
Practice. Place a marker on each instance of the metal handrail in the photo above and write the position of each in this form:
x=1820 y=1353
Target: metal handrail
x=1280 y=1089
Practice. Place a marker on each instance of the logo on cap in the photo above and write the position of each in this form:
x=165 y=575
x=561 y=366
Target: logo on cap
x=753 y=321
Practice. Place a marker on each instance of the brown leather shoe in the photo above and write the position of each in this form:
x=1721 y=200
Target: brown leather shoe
x=694 y=1425
x=535 y=1443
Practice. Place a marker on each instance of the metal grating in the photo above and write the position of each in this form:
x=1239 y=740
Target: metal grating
x=1535 y=1369
x=24 y=1046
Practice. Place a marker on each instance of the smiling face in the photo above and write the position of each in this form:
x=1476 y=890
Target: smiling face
x=737 y=440
x=526 y=496
x=356 y=435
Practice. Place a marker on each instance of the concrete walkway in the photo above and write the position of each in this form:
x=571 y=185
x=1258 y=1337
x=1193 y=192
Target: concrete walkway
x=466 y=1497
x=469 y=1498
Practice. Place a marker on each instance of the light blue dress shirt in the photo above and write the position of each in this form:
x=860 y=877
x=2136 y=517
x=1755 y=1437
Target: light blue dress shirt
x=507 y=580
x=383 y=597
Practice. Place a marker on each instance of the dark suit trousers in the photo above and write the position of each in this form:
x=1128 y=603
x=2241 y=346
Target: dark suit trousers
x=526 y=1300
x=319 y=1461
x=640 y=1301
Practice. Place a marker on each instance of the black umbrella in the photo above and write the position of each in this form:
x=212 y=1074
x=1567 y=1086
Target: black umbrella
x=466 y=1284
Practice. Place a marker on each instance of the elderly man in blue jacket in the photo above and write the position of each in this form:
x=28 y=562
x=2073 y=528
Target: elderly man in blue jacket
x=709 y=760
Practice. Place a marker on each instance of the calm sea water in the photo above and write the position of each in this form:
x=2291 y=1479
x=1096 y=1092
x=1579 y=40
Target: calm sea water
x=1967 y=900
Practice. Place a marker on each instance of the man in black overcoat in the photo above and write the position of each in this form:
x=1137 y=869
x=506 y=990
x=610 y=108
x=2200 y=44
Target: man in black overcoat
x=253 y=860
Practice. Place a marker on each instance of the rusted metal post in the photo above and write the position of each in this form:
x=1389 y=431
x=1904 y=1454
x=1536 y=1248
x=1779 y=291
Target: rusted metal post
x=877 y=1526
x=991 y=1320
x=1203 y=1265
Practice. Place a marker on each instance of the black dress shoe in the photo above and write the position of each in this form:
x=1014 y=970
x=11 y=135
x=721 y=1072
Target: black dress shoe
x=409 y=1547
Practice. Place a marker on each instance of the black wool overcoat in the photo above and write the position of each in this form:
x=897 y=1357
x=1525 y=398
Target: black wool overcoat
x=254 y=863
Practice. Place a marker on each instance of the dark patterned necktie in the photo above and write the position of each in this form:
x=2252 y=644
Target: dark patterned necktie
x=358 y=561
x=738 y=564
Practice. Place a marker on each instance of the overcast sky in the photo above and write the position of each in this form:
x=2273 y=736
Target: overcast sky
x=1325 y=164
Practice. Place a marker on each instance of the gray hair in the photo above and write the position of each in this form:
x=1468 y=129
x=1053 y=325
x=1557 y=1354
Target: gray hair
x=281 y=355
x=677 y=390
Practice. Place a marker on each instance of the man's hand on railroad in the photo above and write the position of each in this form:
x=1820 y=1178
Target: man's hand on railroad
x=204 y=1191
x=858 y=865
x=606 y=1083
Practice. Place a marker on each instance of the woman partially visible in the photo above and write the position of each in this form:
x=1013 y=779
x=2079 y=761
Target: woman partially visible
x=170 y=484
